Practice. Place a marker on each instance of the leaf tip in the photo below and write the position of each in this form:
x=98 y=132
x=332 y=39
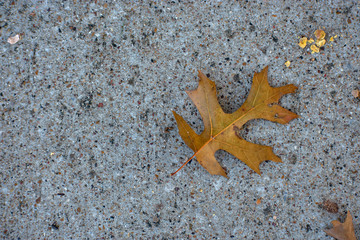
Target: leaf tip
x=293 y=88
x=256 y=169
x=222 y=174
x=218 y=171
x=264 y=71
x=200 y=74
x=176 y=115
x=293 y=116
x=225 y=175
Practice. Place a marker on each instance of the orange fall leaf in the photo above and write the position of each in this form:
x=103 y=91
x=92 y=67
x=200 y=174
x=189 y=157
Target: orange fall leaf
x=220 y=128
x=342 y=231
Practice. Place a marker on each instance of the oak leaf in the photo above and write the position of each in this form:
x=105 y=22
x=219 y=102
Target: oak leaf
x=342 y=231
x=220 y=128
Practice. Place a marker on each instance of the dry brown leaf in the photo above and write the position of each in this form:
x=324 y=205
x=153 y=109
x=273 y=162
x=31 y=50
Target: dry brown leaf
x=342 y=231
x=220 y=129
x=330 y=206
x=355 y=93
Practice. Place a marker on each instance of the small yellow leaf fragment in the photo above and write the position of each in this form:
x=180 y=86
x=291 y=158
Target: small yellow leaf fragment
x=14 y=39
x=335 y=36
x=314 y=49
x=287 y=63
x=302 y=42
x=321 y=42
x=311 y=40
x=331 y=39
x=319 y=34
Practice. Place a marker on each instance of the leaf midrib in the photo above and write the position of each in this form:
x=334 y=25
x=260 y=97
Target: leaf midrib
x=213 y=138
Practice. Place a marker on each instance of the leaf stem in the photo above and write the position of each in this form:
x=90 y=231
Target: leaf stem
x=184 y=164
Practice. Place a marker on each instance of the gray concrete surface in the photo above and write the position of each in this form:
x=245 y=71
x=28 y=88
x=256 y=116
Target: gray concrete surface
x=88 y=139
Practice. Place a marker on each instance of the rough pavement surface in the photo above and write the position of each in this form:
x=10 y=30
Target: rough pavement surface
x=88 y=140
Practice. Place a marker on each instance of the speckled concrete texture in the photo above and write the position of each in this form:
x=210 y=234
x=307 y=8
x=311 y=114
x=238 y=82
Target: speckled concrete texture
x=88 y=140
